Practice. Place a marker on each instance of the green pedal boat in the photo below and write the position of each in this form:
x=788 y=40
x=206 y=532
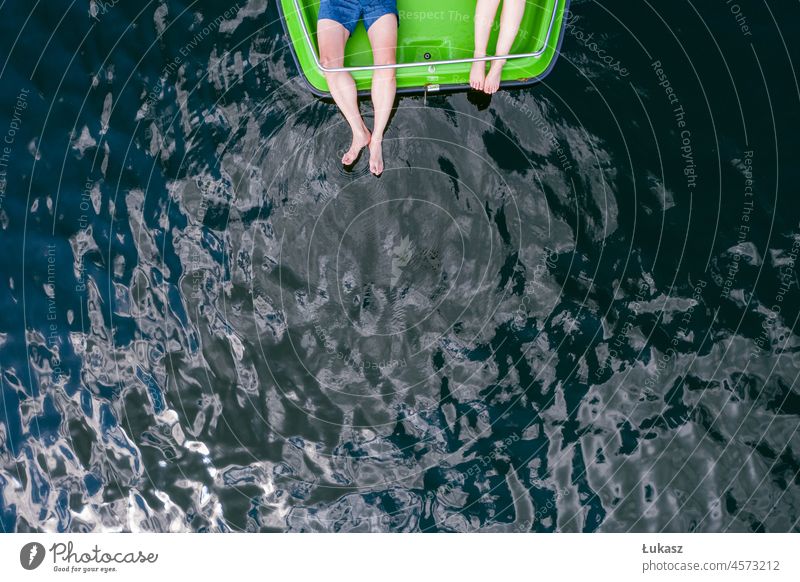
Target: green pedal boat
x=434 y=46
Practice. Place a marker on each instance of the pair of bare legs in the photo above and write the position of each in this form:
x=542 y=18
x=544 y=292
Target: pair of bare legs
x=510 y=18
x=332 y=38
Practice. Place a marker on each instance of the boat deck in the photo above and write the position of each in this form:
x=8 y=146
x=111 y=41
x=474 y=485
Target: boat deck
x=435 y=45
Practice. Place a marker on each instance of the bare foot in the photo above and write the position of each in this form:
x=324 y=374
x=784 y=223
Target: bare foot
x=376 y=156
x=477 y=75
x=492 y=83
x=360 y=141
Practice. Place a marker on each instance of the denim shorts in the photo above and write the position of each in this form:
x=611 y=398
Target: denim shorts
x=349 y=12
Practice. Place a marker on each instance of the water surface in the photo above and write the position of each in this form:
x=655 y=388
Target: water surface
x=570 y=309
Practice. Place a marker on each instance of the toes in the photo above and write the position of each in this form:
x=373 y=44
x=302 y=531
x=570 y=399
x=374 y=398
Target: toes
x=376 y=167
x=491 y=87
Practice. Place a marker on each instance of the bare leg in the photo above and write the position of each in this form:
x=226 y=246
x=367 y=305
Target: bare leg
x=484 y=19
x=509 y=26
x=383 y=38
x=332 y=37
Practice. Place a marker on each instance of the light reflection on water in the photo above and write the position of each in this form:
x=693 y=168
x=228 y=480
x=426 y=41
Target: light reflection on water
x=532 y=322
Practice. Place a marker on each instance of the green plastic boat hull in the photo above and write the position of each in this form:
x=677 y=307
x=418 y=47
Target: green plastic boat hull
x=427 y=38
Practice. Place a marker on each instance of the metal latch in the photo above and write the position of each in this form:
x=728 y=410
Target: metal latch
x=429 y=88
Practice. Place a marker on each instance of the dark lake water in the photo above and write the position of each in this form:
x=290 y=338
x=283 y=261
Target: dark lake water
x=573 y=308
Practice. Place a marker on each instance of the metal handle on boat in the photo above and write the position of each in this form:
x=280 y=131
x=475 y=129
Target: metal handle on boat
x=324 y=69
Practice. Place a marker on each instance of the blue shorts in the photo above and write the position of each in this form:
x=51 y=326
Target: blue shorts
x=349 y=12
